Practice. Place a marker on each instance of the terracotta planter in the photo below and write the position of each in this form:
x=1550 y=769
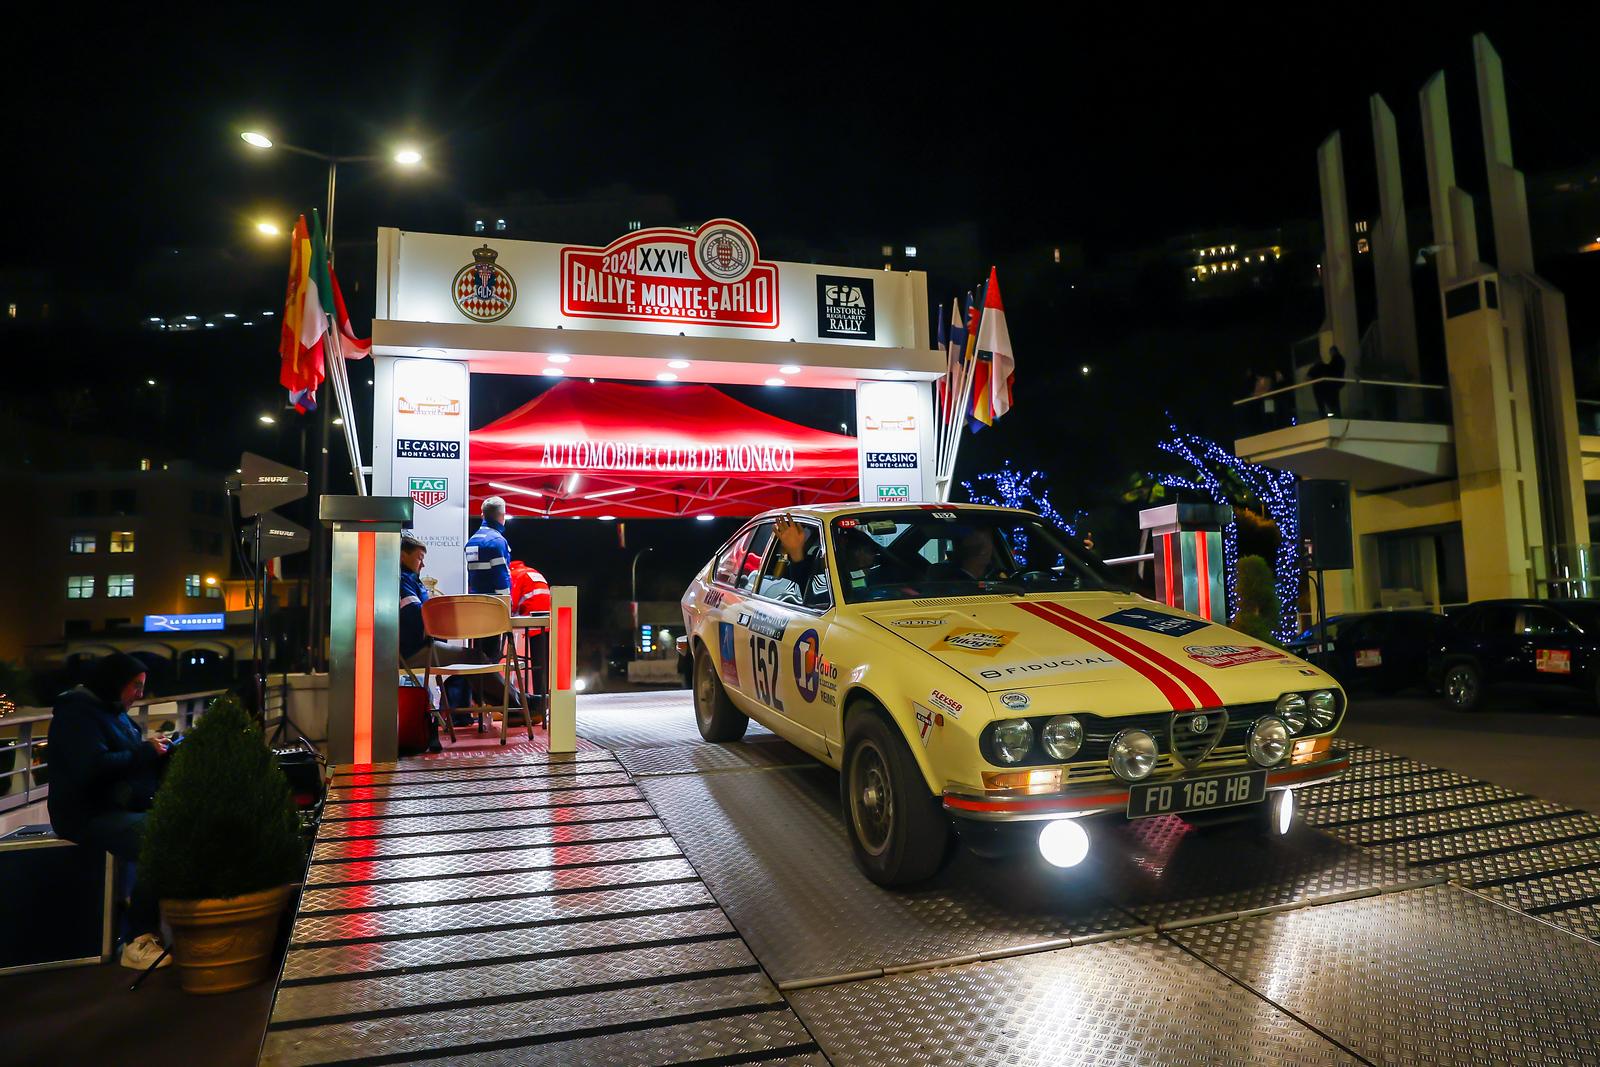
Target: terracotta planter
x=224 y=945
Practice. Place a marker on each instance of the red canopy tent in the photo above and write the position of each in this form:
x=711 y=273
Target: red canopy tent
x=589 y=449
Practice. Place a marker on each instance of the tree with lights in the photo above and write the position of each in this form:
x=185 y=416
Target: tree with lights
x=1227 y=479
x=1010 y=488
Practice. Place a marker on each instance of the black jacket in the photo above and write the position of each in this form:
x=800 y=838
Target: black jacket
x=98 y=763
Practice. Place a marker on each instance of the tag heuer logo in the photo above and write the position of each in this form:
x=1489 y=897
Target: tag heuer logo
x=894 y=492
x=428 y=492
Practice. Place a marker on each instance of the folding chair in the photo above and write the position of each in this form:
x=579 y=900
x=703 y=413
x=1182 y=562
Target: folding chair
x=468 y=617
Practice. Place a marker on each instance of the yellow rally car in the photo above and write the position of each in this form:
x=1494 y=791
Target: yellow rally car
x=974 y=662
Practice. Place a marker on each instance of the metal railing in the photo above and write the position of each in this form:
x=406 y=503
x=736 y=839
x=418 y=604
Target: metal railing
x=1566 y=570
x=1341 y=398
x=25 y=741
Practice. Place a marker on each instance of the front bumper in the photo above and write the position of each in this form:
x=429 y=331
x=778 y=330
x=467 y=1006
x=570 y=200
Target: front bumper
x=1092 y=797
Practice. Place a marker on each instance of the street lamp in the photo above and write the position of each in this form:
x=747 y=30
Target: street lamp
x=633 y=586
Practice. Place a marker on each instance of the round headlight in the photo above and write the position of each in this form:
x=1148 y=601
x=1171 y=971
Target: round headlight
x=1133 y=755
x=1062 y=736
x=1012 y=739
x=1269 y=742
x=1324 y=707
x=1292 y=710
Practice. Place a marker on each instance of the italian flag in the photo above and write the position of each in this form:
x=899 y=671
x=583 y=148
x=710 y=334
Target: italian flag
x=995 y=339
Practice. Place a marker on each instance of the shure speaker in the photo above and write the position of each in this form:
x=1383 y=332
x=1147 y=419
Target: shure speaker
x=1325 y=541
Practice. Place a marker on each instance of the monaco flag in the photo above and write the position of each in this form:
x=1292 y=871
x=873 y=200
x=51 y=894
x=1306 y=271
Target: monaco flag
x=996 y=340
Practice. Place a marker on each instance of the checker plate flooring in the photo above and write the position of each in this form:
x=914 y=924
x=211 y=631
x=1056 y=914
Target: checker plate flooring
x=663 y=900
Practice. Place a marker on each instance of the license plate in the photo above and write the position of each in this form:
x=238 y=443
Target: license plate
x=1196 y=794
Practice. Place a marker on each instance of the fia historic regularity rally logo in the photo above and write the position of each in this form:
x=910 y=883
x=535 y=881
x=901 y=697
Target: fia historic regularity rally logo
x=484 y=291
x=844 y=308
x=429 y=492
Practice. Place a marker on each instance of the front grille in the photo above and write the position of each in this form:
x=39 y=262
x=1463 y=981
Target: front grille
x=1191 y=747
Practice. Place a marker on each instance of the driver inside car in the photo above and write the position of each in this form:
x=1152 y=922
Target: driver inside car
x=972 y=558
x=798 y=575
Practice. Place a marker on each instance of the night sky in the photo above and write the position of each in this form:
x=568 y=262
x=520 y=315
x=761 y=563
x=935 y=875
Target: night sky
x=823 y=124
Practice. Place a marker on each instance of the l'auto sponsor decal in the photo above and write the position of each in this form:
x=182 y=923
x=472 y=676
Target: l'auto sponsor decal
x=1221 y=656
x=945 y=703
x=1182 y=687
x=806 y=657
x=971 y=639
x=1554 y=661
x=1156 y=622
x=713 y=276
x=727 y=647
x=1033 y=668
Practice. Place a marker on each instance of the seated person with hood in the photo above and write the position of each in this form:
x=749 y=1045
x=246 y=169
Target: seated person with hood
x=103 y=779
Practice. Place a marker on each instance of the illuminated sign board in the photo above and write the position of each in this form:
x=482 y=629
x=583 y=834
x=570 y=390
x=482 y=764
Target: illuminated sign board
x=171 y=623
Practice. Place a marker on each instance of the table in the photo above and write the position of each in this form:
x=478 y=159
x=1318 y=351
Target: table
x=525 y=624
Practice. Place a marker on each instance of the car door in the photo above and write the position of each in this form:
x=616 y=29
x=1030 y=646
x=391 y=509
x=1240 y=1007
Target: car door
x=1495 y=642
x=789 y=614
x=746 y=627
x=1547 y=649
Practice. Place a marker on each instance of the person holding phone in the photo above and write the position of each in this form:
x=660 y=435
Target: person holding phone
x=103 y=779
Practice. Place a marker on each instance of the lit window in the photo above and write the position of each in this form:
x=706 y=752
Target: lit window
x=119 y=585
x=911 y=251
x=191 y=585
x=499 y=224
x=635 y=224
x=478 y=226
x=11 y=312
x=888 y=250
x=214 y=592
x=80 y=587
x=1058 y=255
x=144 y=465
x=121 y=541
x=82 y=543
x=1362 y=245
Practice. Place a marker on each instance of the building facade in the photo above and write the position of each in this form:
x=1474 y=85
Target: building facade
x=1467 y=483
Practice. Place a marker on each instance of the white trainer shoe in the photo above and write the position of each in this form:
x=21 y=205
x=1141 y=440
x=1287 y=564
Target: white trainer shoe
x=142 y=951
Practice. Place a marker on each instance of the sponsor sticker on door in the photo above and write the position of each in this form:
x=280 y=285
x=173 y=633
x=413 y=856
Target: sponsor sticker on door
x=1554 y=661
x=1369 y=657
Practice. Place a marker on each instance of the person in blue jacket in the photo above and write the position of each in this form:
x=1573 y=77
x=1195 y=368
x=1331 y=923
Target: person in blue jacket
x=489 y=554
x=103 y=778
x=415 y=643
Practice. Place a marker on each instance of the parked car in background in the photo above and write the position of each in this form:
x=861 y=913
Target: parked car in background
x=1382 y=650
x=1531 y=646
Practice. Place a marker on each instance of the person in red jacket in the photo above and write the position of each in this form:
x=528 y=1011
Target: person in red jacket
x=530 y=595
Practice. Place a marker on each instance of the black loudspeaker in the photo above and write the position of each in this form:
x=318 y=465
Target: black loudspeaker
x=1325 y=541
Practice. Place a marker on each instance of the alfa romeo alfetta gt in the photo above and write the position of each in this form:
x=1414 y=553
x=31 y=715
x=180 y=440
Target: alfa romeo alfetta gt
x=973 y=666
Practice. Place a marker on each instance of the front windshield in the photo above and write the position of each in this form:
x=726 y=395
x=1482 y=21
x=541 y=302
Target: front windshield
x=907 y=555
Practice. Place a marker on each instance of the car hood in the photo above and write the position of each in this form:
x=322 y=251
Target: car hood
x=1006 y=643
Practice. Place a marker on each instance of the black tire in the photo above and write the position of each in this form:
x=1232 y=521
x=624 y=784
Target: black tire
x=1463 y=686
x=714 y=713
x=898 y=829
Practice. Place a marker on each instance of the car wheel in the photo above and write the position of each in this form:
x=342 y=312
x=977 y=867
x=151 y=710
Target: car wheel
x=897 y=829
x=1463 y=687
x=714 y=713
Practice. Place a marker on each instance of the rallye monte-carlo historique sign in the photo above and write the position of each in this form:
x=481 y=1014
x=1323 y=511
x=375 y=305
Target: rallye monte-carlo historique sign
x=712 y=276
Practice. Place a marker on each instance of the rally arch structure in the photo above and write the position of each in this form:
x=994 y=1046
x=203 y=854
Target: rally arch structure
x=611 y=449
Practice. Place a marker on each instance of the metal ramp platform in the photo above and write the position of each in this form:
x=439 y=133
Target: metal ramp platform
x=525 y=909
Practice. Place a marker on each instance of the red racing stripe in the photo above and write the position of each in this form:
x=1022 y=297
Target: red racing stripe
x=1200 y=687
x=1180 y=700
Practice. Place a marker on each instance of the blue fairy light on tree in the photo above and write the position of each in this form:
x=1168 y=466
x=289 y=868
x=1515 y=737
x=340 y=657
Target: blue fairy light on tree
x=1011 y=488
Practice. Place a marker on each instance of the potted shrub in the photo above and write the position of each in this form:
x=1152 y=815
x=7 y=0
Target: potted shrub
x=222 y=850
